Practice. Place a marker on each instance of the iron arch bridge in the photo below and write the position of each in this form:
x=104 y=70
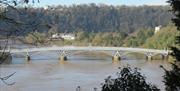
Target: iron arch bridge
x=116 y=52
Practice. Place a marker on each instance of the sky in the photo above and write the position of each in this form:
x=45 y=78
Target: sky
x=108 y=2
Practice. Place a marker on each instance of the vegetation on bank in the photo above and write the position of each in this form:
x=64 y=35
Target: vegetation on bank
x=145 y=38
x=103 y=25
x=36 y=38
x=163 y=39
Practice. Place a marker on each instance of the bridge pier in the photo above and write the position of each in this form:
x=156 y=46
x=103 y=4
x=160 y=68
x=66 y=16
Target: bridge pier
x=116 y=57
x=149 y=56
x=63 y=56
x=28 y=58
x=165 y=56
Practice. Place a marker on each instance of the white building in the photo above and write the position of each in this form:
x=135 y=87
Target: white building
x=55 y=36
x=63 y=36
x=68 y=36
x=157 y=29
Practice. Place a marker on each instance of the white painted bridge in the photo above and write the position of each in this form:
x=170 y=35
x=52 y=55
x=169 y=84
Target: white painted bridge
x=89 y=48
x=118 y=50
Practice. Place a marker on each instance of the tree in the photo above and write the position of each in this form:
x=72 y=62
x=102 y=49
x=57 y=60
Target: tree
x=99 y=18
x=175 y=4
x=6 y=20
x=128 y=80
x=36 y=38
x=162 y=39
x=172 y=77
x=4 y=5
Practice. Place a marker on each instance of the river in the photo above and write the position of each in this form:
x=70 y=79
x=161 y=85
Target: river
x=46 y=73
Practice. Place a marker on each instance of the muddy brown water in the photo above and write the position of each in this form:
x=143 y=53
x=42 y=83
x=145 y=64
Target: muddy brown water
x=46 y=73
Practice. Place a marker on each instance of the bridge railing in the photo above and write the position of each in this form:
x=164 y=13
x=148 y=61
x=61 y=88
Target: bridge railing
x=89 y=48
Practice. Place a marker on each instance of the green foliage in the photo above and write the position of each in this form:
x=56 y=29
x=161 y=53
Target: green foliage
x=142 y=38
x=109 y=39
x=175 y=4
x=172 y=77
x=128 y=80
x=138 y=38
x=99 y=18
x=98 y=39
x=36 y=38
x=162 y=39
x=67 y=42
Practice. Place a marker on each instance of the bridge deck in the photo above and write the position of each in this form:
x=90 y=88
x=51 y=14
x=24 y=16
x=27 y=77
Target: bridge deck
x=90 y=48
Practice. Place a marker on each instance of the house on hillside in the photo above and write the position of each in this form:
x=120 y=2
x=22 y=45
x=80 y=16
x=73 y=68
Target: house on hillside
x=55 y=36
x=68 y=36
x=157 y=29
x=63 y=36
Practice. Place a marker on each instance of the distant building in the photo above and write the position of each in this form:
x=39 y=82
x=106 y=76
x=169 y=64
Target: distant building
x=63 y=36
x=55 y=36
x=68 y=36
x=157 y=29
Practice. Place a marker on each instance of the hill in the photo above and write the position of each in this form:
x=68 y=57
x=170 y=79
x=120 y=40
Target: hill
x=87 y=18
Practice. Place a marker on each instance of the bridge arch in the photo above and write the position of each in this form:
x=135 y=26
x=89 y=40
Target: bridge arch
x=91 y=52
x=128 y=53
